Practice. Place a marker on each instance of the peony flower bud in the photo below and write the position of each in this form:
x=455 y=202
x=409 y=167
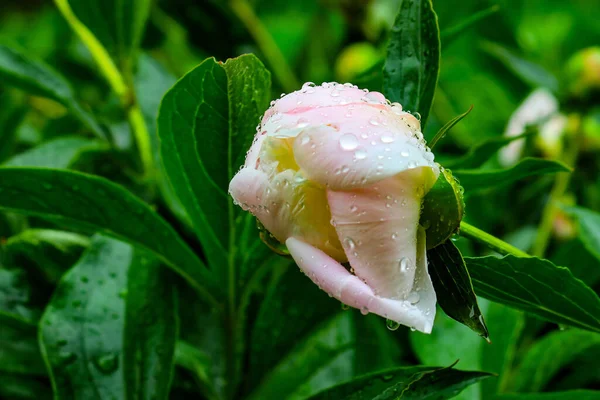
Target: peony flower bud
x=338 y=174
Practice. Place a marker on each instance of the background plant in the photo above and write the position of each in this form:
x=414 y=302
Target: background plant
x=125 y=274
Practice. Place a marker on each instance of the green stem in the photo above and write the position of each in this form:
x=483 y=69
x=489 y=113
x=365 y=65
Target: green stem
x=267 y=45
x=493 y=242
x=117 y=83
x=561 y=184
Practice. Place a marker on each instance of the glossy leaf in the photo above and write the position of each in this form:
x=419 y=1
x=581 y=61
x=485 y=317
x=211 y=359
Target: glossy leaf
x=531 y=73
x=478 y=180
x=206 y=124
x=547 y=356
x=579 y=258
x=443 y=209
x=151 y=329
x=62 y=152
x=95 y=203
x=567 y=395
x=483 y=151
x=16 y=297
x=409 y=382
x=410 y=72
x=536 y=286
x=117 y=25
x=81 y=331
x=36 y=77
x=453 y=287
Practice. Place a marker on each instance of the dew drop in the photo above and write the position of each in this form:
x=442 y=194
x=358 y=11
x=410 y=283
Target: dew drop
x=353 y=208
x=349 y=243
x=348 y=141
x=404 y=265
x=413 y=297
x=360 y=154
x=374 y=121
x=345 y=306
x=305 y=139
x=392 y=325
x=404 y=153
x=394 y=236
x=387 y=139
x=364 y=310
x=107 y=363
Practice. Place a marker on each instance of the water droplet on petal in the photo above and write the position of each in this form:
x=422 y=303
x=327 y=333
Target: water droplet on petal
x=349 y=243
x=345 y=306
x=413 y=297
x=348 y=141
x=305 y=139
x=374 y=121
x=364 y=310
x=387 y=138
x=360 y=154
x=405 y=264
x=392 y=325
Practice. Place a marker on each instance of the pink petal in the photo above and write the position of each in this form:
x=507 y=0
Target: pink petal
x=377 y=227
x=342 y=150
x=334 y=279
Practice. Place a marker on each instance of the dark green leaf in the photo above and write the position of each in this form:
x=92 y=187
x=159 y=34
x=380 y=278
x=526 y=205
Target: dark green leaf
x=328 y=350
x=19 y=351
x=410 y=72
x=206 y=124
x=579 y=258
x=372 y=78
x=453 y=287
x=531 y=73
x=546 y=357
x=568 y=395
x=408 y=382
x=118 y=26
x=506 y=325
x=151 y=330
x=443 y=209
x=45 y=253
x=483 y=151
x=536 y=286
x=478 y=180
x=297 y=298
x=81 y=331
x=95 y=203
x=57 y=153
x=589 y=228
x=198 y=363
x=447 y=126
x=36 y=77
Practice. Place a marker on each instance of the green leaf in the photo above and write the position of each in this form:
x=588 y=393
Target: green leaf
x=483 y=151
x=546 y=357
x=589 y=228
x=117 y=25
x=407 y=382
x=95 y=203
x=443 y=209
x=61 y=152
x=506 y=325
x=330 y=346
x=410 y=72
x=479 y=180
x=537 y=286
x=531 y=73
x=37 y=78
x=81 y=331
x=450 y=34
x=292 y=297
x=579 y=258
x=206 y=124
x=447 y=126
x=441 y=348
x=45 y=253
x=19 y=351
x=16 y=297
x=151 y=330
x=568 y=395
x=453 y=287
